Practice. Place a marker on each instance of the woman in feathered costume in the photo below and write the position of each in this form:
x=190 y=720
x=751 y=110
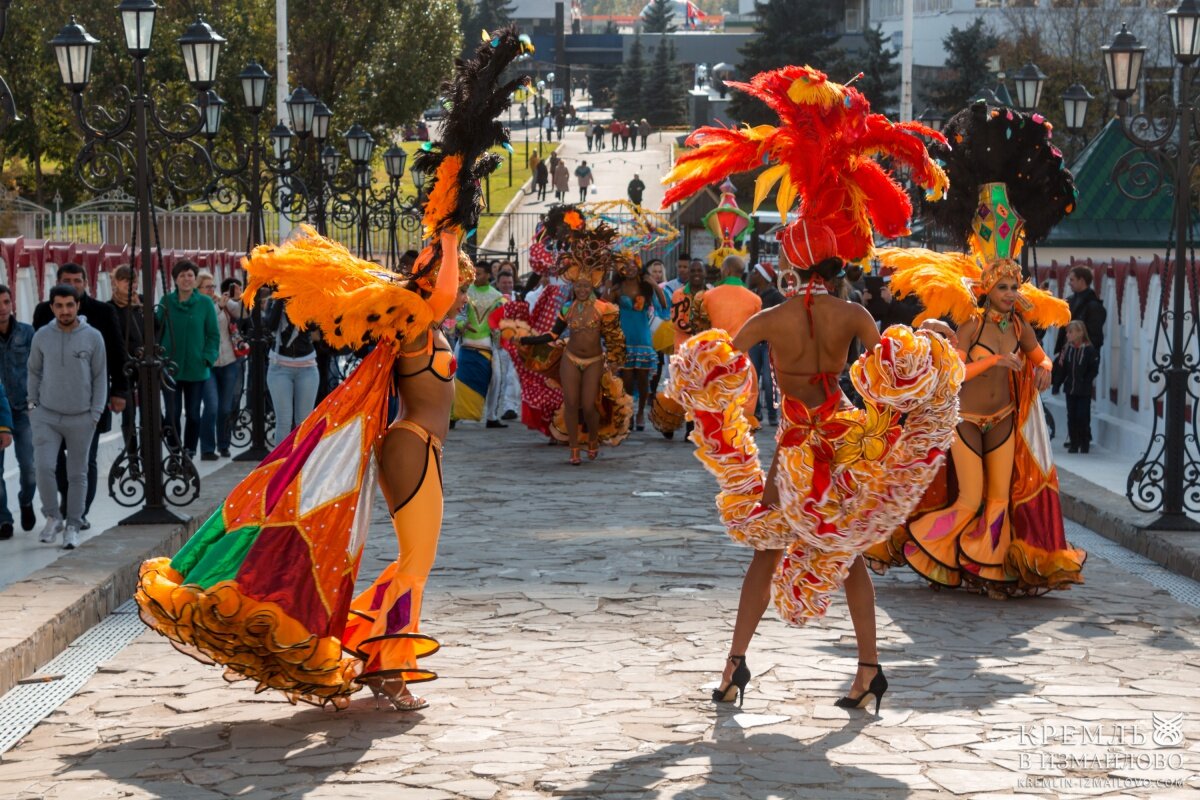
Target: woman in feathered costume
x=842 y=478
x=594 y=349
x=992 y=521
x=266 y=586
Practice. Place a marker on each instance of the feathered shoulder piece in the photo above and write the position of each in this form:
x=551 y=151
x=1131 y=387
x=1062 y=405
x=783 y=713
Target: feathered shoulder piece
x=823 y=154
x=352 y=301
x=990 y=145
x=458 y=162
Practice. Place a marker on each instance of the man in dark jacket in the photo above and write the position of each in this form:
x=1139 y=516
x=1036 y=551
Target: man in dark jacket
x=635 y=189
x=100 y=316
x=16 y=338
x=1085 y=307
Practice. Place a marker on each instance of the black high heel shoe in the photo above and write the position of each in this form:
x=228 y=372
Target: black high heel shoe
x=878 y=686
x=736 y=688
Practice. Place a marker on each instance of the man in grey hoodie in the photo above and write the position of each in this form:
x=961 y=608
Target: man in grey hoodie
x=68 y=388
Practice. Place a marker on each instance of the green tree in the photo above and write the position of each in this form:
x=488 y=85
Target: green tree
x=377 y=64
x=660 y=17
x=789 y=32
x=602 y=79
x=628 y=102
x=488 y=15
x=967 y=51
x=881 y=74
x=663 y=93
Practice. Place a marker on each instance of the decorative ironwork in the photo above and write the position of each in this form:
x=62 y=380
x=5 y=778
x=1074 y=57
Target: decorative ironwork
x=1166 y=478
x=145 y=147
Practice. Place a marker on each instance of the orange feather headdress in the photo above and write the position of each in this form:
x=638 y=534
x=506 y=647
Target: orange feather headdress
x=823 y=154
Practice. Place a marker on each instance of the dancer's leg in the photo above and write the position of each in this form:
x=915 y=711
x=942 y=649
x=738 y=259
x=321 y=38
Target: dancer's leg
x=570 y=377
x=589 y=394
x=860 y=597
x=641 y=378
x=755 y=597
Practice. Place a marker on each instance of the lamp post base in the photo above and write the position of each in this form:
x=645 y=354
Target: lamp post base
x=1174 y=522
x=255 y=454
x=154 y=516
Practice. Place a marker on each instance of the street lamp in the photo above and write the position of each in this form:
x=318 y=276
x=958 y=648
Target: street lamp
x=1123 y=63
x=137 y=17
x=1075 y=105
x=254 y=80
x=302 y=106
x=212 y=107
x=141 y=470
x=201 y=48
x=1029 y=81
x=1166 y=479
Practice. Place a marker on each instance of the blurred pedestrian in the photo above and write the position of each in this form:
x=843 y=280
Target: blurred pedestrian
x=583 y=174
x=16 y=339
x=562 y=181
x=762 y=283
x=635 y=189
x=598 y=135
x=224 y=373
x=644 y=130
x=614 y=129
x=187 y=321
x=292 y=375
x=1086 y=307
x=541 y=179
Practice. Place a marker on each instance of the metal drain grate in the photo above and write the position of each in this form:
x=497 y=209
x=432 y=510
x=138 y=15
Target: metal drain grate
x=27 y=704
x=1185 y=590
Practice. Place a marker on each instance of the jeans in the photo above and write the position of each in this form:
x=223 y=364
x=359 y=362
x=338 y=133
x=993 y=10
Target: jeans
x=760 y=357
x=225 y=382
x=293 y=393
x=200 y=399
x=50 y=432
x=22 y=434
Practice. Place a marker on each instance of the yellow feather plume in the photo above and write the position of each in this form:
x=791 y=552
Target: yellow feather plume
x=825 y=93
x=941 y=281
x=350 y=300
x=1043 y=309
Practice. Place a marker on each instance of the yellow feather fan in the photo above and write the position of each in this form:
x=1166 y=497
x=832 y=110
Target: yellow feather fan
x=350 y=300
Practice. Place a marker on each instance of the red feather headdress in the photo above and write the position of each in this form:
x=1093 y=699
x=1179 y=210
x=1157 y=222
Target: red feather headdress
x=822 y=154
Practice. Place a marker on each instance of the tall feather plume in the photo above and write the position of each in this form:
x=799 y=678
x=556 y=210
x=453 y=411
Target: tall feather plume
x=459 y=161
x=819 y=154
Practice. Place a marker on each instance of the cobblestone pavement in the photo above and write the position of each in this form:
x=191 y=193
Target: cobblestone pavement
x=584 y=613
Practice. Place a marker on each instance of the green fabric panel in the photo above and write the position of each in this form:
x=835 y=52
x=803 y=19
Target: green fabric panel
x=222 y=561
x=195 y=548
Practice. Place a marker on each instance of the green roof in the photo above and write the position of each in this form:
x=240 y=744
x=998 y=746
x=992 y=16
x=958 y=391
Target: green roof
x=1103 y=216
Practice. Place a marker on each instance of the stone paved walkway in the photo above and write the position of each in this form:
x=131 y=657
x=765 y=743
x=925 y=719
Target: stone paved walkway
x=584 y=613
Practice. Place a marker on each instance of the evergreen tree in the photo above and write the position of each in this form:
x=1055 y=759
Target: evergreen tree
x=628 y=102
x=489 y=15
x=881 y=74
x=789 y=32
x=967 y=72
x=602 y=79
x=660 y=17
x=663 y=93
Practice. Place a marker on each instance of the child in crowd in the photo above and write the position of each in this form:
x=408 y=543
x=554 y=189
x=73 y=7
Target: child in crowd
x=1075 y=370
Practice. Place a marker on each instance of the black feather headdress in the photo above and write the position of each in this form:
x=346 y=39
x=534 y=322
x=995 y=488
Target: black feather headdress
x=1000 y=145
x=457 y=163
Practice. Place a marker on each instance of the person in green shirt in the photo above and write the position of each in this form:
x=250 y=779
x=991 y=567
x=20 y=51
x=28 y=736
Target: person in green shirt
x=192 y=341
x=474 y=374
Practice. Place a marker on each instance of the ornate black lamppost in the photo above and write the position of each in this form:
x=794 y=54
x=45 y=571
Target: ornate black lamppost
x=1028 y=82
x=1167 y=477
x=137 y=146
x=250 y=179
x=1075 y=106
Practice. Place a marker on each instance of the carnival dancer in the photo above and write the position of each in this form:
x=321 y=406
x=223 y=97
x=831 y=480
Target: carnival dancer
x=996 y=527
x=266 y=586
x=537 y=366
x=842 y=477
x=594 y=348
x=474 y=378
x=540 y=397
x=687 y=319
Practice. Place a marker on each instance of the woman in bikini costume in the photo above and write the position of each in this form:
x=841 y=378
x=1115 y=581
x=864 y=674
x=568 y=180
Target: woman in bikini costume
x=841 y=477
x=594 y=348
x=997 y=527
x=266 y=586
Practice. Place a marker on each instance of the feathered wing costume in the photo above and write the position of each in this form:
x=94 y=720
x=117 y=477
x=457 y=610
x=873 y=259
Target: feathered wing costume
x=266 y=585
x=1008 y=185
x=845 y=476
